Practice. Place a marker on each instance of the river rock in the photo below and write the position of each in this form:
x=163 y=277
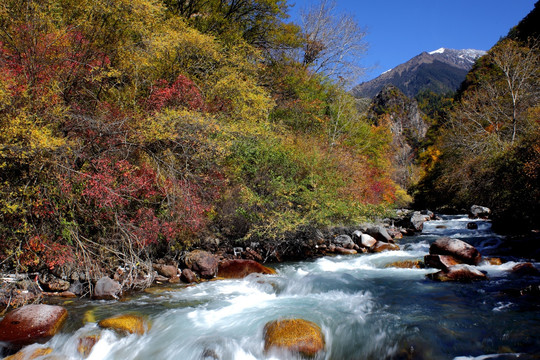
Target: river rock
x=525 y=269
x=16 y=294
x=406 y=264
x=459 y=249
x=55 y=284
x=461 y=273
x=86 y=343
x=29 y=354
x=238 y=268
x=295 y=335
x=188 y=276
x=418 y=219
x=132 y=324
x=107 y=288
x=342 y=251
x=356 y=236
x=442 y=262
x=344 y=241
x=379 y=233
x=166 y=270
x=367 y=241
x=77 y=288
x=203 y=263
x=491 y=261
x=31 y=323
x=479 y=212
x=382 y=246
x=472 y=226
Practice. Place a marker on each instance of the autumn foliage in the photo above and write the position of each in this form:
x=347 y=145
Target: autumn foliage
x=131 y=130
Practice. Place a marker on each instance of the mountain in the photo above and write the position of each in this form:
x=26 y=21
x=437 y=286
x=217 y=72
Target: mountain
x=441 y=71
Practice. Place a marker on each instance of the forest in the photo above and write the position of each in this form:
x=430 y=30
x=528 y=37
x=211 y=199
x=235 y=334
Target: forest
x=132 y=129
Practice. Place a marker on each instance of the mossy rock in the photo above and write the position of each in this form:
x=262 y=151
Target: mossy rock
x=406 y=264
x=295 y=335
x=29 y=354
x=132 y=324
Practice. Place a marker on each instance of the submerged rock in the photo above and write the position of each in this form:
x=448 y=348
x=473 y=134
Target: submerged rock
x=472 y=226
x=203 y=263
x=442 y=262
x=461 y=273
x=295 y=335
x=86 y=343
x=459 y=249
x=31 y=323
x=525 y=269
x=406 y=264
x=132 y=324
x=238 y=268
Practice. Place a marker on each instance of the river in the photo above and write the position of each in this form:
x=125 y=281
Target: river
x=365 y=309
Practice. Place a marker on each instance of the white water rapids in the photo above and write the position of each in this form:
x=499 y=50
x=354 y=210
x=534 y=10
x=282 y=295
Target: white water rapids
x=365 y=309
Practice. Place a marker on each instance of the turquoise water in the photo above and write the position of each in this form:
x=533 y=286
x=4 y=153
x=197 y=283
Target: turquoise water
x=366 y=310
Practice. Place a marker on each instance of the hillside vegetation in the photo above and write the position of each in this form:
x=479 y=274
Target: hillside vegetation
x=486 y=146
x=132 y=129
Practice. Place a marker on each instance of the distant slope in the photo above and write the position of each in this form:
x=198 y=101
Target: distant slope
x=441 y=71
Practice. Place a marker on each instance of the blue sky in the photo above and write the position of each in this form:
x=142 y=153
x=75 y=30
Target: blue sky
x=398 y=30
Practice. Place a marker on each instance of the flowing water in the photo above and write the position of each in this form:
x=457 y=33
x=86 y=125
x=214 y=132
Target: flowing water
x=365 y=309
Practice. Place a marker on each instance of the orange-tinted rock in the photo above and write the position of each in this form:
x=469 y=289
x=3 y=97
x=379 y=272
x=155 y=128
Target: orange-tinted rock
x=31 y=323
x=203 y=263
x=29 y=355
x=382 y=246
x=85 y=345
x=440 y=261
x=238 y=268
x=461 y=273
x=132 y=324
x=406 y=264
x=295 y=335
x=174 y=280
x=492 y=261
x=166 y=270
x=343 y=251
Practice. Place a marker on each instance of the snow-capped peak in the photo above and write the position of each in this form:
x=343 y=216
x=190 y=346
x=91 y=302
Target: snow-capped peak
x=438 y=51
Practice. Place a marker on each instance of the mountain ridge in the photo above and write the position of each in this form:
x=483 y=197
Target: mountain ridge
x=440 y=71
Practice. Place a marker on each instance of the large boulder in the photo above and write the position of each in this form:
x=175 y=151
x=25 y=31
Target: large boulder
x=461 y=273
x=203 y=263
x=107 y=288
x=296 y=335
x=479 y=212
x=238 y=268
x=30 y=324
x=442 y=262
x=132 y=324
x=418 y=219
x=459 y=249
x=379 y=233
